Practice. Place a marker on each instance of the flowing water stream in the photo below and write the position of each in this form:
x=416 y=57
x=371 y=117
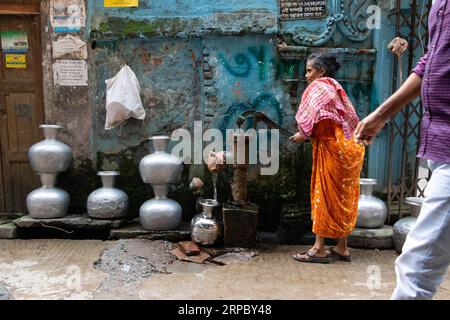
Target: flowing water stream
x=214 y=178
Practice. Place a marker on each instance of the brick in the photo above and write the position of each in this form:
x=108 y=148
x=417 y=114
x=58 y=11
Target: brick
x=189 y=248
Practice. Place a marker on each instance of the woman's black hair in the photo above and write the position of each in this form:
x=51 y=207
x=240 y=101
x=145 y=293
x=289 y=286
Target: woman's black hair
x=325 y=61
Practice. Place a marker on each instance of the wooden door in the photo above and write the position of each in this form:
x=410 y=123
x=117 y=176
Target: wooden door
x=21 y=108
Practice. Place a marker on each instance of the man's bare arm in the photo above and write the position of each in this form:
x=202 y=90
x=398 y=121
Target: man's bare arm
x=373 y=123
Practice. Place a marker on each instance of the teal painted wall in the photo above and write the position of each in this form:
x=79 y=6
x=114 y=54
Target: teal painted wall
x=211 y=60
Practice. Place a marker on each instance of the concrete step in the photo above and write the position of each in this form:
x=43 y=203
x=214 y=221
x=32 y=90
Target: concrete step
x=8 y=231
x=72 y=226
x=372 y=238
x=134 y=229
x=71 y=221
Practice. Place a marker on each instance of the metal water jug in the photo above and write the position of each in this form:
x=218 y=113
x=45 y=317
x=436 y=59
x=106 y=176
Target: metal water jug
x=48 y=201
x=107 y=202
x=205 y=229
x=48 y=158
x=50 y=155
x=160 y=169
x=403 y=226
x=372 y=212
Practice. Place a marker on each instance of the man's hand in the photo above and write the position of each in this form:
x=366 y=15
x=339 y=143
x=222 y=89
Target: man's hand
x=297 y=138
x=368 y=128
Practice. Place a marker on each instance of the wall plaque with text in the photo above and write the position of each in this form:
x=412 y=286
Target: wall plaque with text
x=302 y=9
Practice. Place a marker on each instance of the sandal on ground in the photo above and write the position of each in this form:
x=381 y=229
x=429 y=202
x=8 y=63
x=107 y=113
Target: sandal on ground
x=311 y=257
x=335 y=254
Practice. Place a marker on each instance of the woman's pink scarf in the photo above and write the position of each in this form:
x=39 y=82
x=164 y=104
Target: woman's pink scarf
x=323 y=99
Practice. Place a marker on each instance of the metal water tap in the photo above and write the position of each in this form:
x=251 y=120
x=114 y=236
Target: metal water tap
x=259 y=116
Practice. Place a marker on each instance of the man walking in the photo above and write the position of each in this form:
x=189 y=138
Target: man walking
x=425 y=256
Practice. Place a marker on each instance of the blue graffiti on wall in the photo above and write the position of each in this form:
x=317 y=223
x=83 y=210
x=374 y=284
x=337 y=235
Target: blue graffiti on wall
x=265 y=102
x=241 y=68
x=243 y=64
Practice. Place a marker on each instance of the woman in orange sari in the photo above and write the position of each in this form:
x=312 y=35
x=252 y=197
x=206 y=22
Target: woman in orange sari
x=327 y=117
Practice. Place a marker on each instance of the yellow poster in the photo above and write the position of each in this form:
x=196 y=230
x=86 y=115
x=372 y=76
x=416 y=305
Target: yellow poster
x=121 y=3
x=16 y=61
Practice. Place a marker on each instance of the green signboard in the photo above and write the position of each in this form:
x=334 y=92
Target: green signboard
x=14 y=41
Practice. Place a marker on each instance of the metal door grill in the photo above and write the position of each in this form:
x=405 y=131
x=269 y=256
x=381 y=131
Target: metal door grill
x=404 y=179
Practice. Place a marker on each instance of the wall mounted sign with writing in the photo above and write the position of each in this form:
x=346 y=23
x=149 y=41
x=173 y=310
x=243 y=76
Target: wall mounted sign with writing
x=70 y=73
x=14 y=41
x=15 y=61
x=121 y=3
x=302 y=9
x=67 y=15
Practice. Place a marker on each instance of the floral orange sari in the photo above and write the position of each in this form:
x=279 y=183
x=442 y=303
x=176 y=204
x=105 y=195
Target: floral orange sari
x=337 y=164
x=327 y=115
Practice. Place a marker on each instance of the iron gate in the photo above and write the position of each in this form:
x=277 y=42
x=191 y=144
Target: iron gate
x=408 y=177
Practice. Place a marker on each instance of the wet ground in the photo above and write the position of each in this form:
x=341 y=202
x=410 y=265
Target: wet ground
x=143 y=269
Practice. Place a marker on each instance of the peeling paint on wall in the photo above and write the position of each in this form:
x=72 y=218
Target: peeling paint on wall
x=199 y=60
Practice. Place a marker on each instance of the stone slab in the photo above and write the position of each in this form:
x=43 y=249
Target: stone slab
x=6 y=217
x=372 y=238
x=13 y=215
x=74 y=221
x=135 y=230
x=8 y=231
x=240 y=226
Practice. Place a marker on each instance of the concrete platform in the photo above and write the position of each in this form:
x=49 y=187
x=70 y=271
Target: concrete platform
x=143 y=269
x=8 y=231
x=71 y=221
x=135 y=230
x=8 y=217
x=372 y=238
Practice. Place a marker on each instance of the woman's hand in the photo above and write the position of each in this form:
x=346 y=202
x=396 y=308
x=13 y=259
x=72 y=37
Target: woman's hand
x=297 y=138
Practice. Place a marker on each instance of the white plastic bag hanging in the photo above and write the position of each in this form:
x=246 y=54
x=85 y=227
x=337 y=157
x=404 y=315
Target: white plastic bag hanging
x=122 y=98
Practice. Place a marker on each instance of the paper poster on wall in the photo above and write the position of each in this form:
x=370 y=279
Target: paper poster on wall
x=16 y=61
x=70 y=73
x=67 y=15
x=69 y=47
x=14 y=41
x=121 y=3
